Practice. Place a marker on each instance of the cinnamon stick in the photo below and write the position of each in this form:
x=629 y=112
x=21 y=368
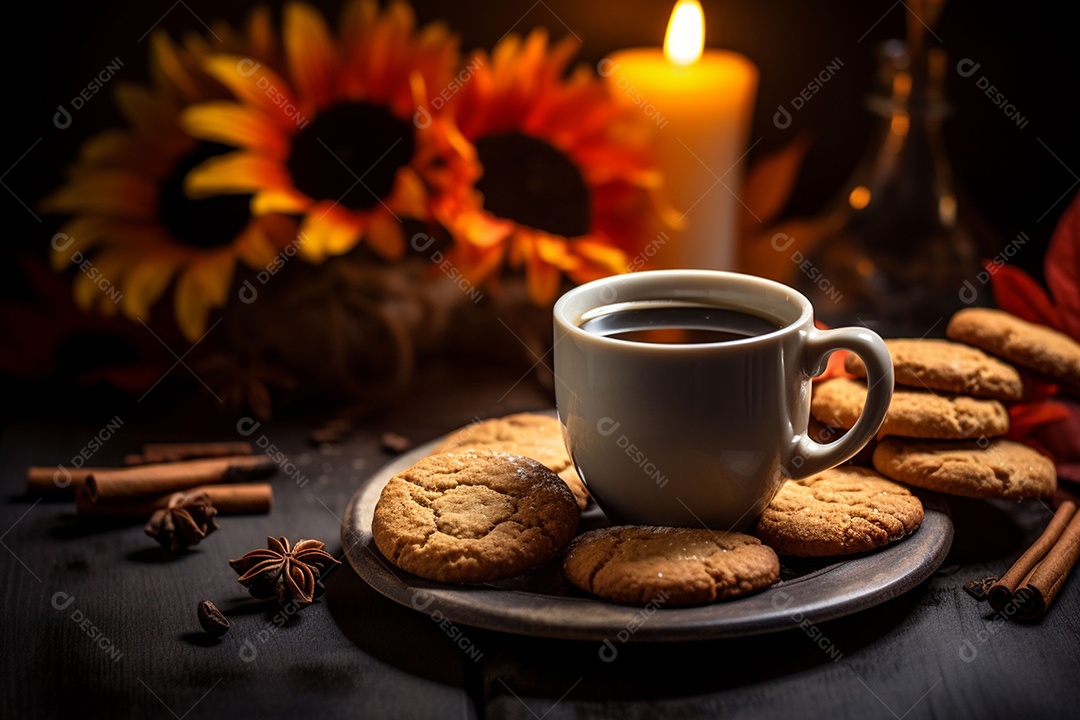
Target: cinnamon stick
x=1041 y=586
x=56 y=479
x=174 y=452
x=235 y=499
x=143 y=481
x=1002 y=591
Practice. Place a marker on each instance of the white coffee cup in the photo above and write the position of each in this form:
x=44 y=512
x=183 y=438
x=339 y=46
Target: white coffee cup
x=705 y=433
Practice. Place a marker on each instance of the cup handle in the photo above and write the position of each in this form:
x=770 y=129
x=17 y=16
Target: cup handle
x=869 y=346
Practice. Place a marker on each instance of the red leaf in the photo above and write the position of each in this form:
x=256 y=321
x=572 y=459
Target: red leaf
x=1025 y=418
x=1061 y=439
x=1063 y=269
x=1018 y=293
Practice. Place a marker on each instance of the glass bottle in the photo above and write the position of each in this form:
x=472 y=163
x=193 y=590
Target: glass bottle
x=895 y=250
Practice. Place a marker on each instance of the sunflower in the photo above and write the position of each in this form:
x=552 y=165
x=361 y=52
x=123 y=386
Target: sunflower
x=333 y=137
x=548 y=172
x=131 y=218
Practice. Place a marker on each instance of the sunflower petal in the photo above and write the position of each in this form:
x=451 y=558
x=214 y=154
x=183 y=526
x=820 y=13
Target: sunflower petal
x=328 y=229
x=234 y=173
x=279 y=200
x=236 y=125
x=201 y=287
x=144 y=285
x=409 y=196
x=542 y=281
x=168 y=70
x=254 y=84
x=125 y=151
x=152 y=115
x=105 y=192
x=385 y=236
x=311 y=53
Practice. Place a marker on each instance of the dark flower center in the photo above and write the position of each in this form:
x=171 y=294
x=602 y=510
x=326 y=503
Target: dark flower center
x=351 y=153
x=208 y=223
x=530 y=182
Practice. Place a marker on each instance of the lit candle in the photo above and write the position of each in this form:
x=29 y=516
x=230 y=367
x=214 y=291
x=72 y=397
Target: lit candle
x=702 y=102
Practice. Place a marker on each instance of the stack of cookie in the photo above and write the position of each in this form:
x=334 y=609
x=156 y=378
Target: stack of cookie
x=500 y=498
x=944 y=427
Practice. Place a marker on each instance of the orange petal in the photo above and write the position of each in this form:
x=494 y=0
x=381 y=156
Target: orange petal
x=385 y=236
x=105 y=192
x=408 y=196
x=236 y=125
x=151 y=115
x=311 y=53
x=541 y=279
x=168 y=70
x=257 y=85
x=127 y=151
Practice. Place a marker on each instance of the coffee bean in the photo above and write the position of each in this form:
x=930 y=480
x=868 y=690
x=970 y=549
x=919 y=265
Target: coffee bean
x=212 y=619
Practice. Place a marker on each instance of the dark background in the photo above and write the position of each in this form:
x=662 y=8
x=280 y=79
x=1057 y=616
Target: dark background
x=1018 y=179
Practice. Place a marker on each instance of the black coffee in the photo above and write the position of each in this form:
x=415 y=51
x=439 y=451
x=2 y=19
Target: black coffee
x=678 y=324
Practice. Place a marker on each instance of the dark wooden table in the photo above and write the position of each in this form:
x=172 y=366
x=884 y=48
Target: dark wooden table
x=98 y=623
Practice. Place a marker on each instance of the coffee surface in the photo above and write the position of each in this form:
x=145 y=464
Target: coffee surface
x=678 y=324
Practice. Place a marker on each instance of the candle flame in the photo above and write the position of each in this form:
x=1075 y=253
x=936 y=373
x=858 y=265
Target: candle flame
x=685 y=38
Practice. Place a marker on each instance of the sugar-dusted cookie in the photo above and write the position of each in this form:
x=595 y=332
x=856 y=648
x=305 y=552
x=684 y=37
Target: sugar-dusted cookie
x=471 y=517
x=947 y=366
x=990 y=469
x=1032 y=346
x=669 y=566
x=912 y=413
x=529 y=434
x=841 y=511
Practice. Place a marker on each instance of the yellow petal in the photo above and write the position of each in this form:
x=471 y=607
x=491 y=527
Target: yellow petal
x=234 y=173
x=201 y=287
x=257 y=244
x=98 y=279
x=328 y=229
x=143 y=286
x=77 y=236
x=190 y=304
x=279 y=200
x=233 y=124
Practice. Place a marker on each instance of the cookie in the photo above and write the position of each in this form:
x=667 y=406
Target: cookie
x=529 y=434
x=471 y=517
x=950 y=367
x=912 y=413
x=1001 y=469
x=1032 y=346
x=668 y=566
x=842 y=511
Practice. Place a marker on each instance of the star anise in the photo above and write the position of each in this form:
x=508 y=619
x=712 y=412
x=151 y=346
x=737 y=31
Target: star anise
x=292 y=574
x=186 y=520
